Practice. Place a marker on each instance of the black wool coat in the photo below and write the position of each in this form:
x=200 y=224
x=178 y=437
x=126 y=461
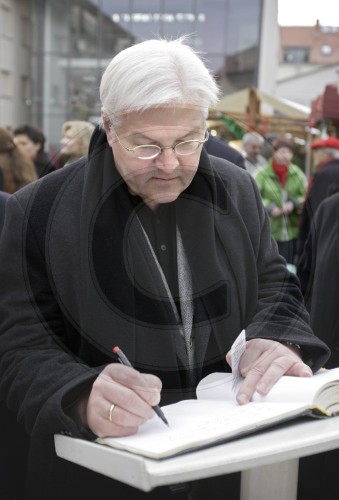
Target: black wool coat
x=319 y=269
x=320 y=189
x=3 y=199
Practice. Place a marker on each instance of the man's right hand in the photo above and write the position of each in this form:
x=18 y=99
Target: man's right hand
x=132 y=393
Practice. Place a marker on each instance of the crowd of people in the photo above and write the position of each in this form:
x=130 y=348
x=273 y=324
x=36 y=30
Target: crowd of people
x=162 y=239
x=23 y=157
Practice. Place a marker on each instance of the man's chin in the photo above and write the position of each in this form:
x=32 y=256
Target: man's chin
x=160 y=199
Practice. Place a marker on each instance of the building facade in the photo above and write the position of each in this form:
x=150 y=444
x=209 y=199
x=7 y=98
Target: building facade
x=69 y=43
x=15 y=61
x=302 y=45
x=309 y=60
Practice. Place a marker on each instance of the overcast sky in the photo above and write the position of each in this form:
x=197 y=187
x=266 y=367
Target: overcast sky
x=306 y=12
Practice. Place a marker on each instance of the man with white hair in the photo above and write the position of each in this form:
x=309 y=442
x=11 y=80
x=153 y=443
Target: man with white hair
x=252 y=143
x=148 y=244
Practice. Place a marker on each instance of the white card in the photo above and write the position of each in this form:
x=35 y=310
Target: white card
x=237 y=350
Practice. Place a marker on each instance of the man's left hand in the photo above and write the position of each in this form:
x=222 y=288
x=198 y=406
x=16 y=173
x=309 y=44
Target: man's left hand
x=263 y=363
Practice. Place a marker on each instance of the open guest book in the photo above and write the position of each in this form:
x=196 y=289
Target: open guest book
x=216 y=417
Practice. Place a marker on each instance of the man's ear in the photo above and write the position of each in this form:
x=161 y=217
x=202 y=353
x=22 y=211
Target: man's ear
x=107 y=127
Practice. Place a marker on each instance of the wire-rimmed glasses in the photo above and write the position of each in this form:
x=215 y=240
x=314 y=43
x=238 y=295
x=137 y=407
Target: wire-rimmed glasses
x=150 y=151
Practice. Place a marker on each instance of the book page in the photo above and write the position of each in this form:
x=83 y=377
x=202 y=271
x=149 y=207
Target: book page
x=301 y=390
x=215 y=416
x=195 y=423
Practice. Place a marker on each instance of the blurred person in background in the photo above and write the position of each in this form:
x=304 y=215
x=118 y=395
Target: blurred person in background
x=31 y=140
x=267 y=148
x=282 y=186
x=326 y=163
x=216 y=146
x=252 y=143
x=319 y=274
x=318 y=257
x=76 y=135
x=16 y=168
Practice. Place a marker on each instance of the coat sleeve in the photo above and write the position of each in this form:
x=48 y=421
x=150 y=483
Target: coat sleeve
x=39 y=375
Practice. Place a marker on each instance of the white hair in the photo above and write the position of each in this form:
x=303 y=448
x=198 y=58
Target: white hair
x=334 y=153
x=156 y=73
x=252 y=137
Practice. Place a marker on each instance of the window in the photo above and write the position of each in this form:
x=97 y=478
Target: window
x=25 y=88
x=6 y=18
x=25 y=31
x=296 y=55
x=5 y=83
x=326 y=50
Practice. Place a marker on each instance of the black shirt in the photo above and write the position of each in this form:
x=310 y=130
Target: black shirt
x=160 y=227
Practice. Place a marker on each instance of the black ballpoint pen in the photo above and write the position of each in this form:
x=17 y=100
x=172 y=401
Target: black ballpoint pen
x=125 y=361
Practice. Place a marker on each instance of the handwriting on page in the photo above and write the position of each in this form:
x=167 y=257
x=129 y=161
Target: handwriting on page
x=237 y=350
x=195 y=423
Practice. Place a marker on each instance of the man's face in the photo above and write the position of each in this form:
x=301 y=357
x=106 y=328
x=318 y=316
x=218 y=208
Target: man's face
x=252 y=149
x=28 y=147
x=320 y=156
x=283 y=156
x=70 y=145
x=160 y=179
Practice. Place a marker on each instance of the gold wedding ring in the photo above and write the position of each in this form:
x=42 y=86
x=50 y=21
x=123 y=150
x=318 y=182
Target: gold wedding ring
x=111 y=409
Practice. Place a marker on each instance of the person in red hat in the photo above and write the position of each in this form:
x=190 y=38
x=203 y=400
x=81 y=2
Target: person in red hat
x=324 y=150
x=326 y=162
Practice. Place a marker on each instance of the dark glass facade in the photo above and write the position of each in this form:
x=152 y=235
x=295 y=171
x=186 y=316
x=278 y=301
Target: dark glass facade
x=75 y=39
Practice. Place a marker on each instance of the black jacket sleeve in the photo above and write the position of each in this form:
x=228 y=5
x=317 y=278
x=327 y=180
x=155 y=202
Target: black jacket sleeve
x=40 y=377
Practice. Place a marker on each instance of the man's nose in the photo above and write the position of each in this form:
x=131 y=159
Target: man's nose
x=167 y=159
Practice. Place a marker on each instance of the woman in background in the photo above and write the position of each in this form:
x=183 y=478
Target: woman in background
x=16 y=168
x=32 y=140
x=76 y=135
x=282 y=187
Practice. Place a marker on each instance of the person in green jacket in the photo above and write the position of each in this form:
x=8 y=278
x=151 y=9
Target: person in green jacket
x=283 y=186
